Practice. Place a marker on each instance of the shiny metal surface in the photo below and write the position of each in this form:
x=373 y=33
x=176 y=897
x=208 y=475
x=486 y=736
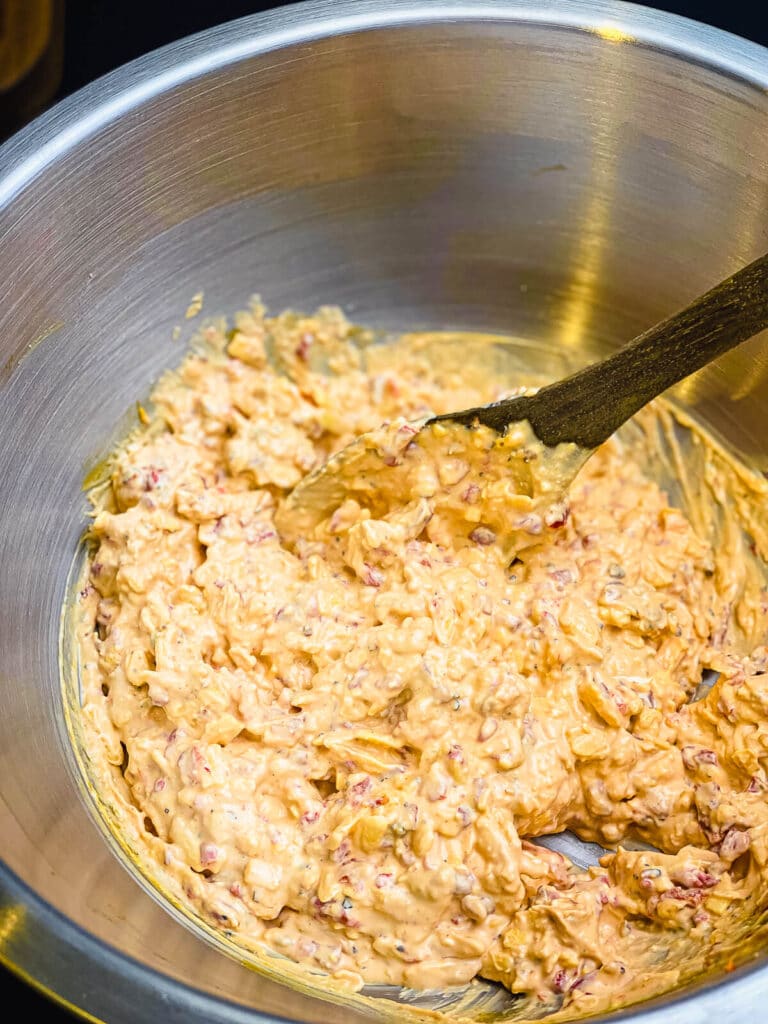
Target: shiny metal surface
x=564 y=171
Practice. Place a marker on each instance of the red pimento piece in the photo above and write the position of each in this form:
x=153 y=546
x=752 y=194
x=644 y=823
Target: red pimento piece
x=691 y=897
x=734 y=844
x=152 y=478
x=305 y=344
x=483 y=536
x=209 y=853
x=372 y=577
x=557 y=516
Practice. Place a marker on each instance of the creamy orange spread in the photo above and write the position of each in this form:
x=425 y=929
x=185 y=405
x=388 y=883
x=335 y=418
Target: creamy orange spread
x=339 y=741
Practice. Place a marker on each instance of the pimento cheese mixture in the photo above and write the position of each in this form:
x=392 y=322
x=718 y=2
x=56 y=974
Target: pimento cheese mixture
x=342 y=745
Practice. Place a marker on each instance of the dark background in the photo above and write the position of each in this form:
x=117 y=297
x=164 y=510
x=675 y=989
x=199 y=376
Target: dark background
x=102 y=34
x=99 y=35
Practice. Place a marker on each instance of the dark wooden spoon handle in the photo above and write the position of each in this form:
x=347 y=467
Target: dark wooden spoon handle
x=587 y=407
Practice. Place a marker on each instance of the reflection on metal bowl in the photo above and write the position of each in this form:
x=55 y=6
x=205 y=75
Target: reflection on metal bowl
x=565 y=172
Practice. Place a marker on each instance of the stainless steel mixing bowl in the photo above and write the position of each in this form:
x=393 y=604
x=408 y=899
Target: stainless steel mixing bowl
x=563 y=171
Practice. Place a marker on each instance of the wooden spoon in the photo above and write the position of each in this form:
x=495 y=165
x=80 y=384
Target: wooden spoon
x=590 y=405
x=578 y=413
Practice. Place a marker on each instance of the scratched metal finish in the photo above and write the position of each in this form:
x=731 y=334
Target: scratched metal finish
x=568 y=173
